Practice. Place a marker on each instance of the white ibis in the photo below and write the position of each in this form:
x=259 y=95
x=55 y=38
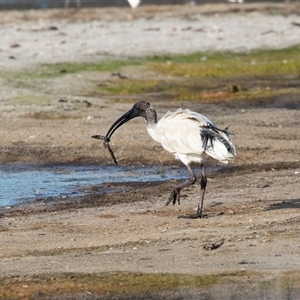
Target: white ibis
x=186 y=134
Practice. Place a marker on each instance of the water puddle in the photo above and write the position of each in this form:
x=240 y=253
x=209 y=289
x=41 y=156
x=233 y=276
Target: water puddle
x=20 y=183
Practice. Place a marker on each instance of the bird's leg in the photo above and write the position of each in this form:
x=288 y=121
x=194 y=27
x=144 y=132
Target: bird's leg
x=175 y=194
x=203 y=182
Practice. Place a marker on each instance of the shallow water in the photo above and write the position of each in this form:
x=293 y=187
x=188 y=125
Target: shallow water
x=26 y=182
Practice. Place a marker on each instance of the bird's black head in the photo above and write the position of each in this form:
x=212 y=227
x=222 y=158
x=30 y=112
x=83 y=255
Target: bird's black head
x=139 y=109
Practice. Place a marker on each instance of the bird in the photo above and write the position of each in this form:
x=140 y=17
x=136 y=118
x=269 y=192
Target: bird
x=189 y=135
x=134 y=3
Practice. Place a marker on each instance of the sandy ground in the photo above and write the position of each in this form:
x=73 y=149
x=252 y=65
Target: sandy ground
x=253 y=204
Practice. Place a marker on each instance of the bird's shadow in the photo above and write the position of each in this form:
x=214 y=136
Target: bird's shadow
x=283 y=204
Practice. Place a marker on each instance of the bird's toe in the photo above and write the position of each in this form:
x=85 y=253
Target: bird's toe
x=169 y=200
x=173 y=198
x=176 y=197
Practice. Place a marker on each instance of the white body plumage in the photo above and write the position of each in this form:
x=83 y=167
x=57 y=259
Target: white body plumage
x=188 y=135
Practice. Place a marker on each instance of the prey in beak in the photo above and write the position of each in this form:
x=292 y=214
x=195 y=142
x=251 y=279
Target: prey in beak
x=136 y=111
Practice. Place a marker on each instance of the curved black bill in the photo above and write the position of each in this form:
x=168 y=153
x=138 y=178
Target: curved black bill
x=123 y=119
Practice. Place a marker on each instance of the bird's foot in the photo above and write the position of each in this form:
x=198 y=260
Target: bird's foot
x=175 y=196
x=193 y=216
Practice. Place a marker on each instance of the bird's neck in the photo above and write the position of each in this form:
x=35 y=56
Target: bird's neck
x=151 y=119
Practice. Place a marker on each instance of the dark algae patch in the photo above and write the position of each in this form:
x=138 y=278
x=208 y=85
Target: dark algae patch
x=118 y=285
x=149 y=286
